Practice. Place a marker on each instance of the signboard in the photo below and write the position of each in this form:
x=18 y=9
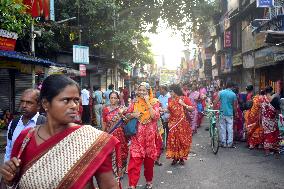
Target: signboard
x=7 y=44
x=248 y=61
x=213 y=60
x=279 y=56
x=51 y=12
x=226 y=63
x=80 y=54
x=7 y=40
x=260 y=40
x=83 y=69
x=237 y=60
x=264 y=3
x=10 y=65
x=227 y=39
x=267 y=56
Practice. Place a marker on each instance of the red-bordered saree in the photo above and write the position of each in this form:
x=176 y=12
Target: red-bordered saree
x=69 y=159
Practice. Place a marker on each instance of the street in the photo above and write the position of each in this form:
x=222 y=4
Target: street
x=234 y=168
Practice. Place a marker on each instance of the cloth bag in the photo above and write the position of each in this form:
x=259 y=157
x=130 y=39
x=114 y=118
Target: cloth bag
x=130 y=128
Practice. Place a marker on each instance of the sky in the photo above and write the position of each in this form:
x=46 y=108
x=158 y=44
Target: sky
x=166 y=44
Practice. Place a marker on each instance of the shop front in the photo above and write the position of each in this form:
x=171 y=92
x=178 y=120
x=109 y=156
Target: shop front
x=269 y=66
x=18 y=72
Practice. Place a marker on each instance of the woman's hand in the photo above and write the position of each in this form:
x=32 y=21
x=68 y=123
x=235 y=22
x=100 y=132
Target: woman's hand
x=136 y=114
x=181 y=102
x=146 y=98
x=9 y=169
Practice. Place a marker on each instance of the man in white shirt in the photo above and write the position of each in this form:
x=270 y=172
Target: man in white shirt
x=106 y=94
x=85 y=95
x=163 y=98
x=30 y=118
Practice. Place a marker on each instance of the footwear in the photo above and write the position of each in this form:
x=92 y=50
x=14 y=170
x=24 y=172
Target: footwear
x=181 y=162
x=231 y=146
x=158 y=163
x=251 y=147
x=223 y=145
x=266 y=153
x=148 y=186
x=174 y=162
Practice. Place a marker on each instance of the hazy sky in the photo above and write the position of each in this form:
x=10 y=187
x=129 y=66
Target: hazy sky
x=168 y=45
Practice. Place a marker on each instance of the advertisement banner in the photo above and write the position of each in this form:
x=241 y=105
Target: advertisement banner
x=39 y=8
x=264 y=3
x=227 y=39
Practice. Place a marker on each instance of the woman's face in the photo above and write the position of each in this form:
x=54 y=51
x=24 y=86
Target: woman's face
x=142 y=91
x=113 y=99
x=64 y=107
x=172 y=93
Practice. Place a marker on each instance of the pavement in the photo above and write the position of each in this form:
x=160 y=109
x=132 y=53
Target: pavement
x=231 y=168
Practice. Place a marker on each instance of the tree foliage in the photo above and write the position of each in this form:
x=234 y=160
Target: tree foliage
x=109 y=27
x=13 y=17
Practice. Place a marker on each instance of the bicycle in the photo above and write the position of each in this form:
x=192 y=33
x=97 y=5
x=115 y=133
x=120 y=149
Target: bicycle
x=213 y=129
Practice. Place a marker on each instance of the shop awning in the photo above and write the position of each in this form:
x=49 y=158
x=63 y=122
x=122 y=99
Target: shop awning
x=13 y=55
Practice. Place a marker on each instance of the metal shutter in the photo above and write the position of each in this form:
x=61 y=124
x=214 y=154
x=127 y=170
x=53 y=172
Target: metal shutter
x=22 y=82
x=5 y=90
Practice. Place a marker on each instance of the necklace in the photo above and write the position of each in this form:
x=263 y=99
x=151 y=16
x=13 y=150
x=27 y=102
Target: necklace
x=39 y=135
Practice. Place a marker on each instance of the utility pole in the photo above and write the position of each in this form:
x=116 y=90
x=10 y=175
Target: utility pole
x=113 y=51
x=33 y=52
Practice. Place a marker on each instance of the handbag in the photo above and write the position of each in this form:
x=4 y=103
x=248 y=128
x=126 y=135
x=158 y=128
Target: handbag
x=130 y=129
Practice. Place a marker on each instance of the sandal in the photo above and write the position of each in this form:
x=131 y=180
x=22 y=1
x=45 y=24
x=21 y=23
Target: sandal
x=158 y=163
x=148 y=186
x=174 y=162
x=181 y=162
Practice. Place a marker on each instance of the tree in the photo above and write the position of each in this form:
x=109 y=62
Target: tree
x=13 y=17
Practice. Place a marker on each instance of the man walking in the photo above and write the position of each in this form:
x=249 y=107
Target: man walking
x=106 y=94
x=98 y=107
x=163 y=98
x=85 y=95
x=228 y=107
x=30 y=117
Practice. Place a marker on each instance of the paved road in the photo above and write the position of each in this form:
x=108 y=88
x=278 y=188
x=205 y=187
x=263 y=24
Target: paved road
x=238 y=168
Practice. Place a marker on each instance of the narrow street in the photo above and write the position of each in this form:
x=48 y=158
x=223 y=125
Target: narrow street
x=236 y=168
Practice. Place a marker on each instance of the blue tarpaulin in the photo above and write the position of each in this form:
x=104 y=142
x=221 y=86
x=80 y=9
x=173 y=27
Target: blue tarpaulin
x=13 y=55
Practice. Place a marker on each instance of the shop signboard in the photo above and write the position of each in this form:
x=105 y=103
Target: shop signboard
x=227 y=39
x=82 y=69
x=264 y=3
x=215 y=72
x=259 y=40
x=237 y=60
x=10 y=65
x=266 y=56
x=7 y=40
x=279 y=56
x=213 y=60
x=248 y=61
x=228 y=63
x=80 y=54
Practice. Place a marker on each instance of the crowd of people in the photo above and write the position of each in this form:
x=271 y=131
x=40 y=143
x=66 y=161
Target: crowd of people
x=132 y=129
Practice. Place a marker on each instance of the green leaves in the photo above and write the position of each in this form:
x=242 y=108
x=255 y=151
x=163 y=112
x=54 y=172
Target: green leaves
x=13 y=17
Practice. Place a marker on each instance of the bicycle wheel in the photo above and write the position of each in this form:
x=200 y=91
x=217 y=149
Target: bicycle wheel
x=215 y=139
